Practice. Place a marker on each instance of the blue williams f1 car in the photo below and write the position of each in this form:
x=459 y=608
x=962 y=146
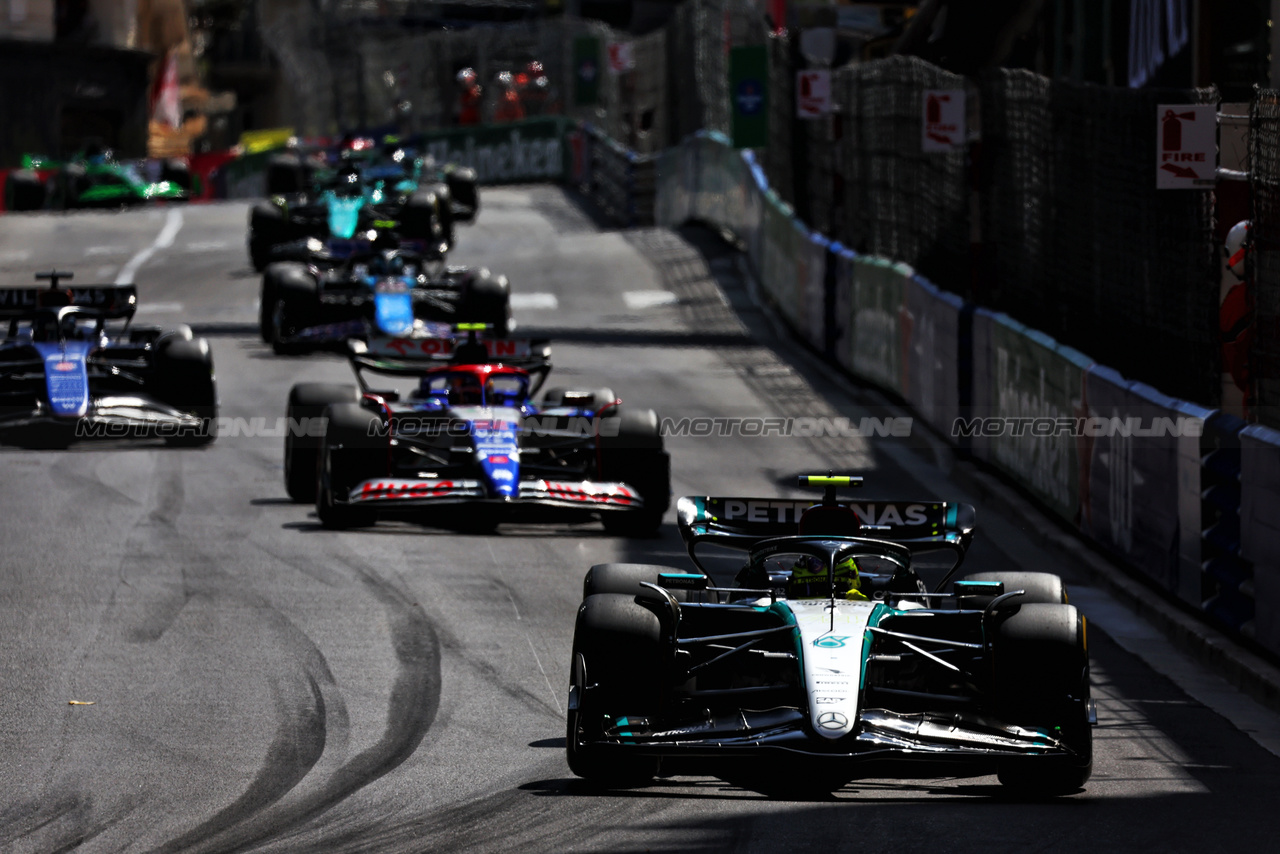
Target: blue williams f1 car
x=66 y=374
x=828 y=659
x=468 y=446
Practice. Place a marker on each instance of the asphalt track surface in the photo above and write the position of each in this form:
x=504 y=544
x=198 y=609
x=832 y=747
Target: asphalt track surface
x=260 y=684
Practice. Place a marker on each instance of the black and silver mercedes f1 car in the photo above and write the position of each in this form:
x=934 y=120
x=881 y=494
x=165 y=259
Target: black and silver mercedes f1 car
x=828 y=659
x=468 y=445
x=67 y=372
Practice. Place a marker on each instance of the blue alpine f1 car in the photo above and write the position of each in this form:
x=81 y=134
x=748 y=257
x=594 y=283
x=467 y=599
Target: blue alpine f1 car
x=828 y=658
x=68 y=371
x=469 y=444
x=342 y=289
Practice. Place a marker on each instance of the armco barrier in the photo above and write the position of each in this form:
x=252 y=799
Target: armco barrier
x=1226 y=577
x=620 y=182
x=1022 y=381
x=877 y=304
x=1137 y=463
x=930 y=329
x=1260 y=526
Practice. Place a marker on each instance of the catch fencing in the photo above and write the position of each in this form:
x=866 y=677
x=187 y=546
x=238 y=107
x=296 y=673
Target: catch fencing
x=1185 y=495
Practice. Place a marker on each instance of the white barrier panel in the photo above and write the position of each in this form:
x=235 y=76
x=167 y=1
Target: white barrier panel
x=931 y=341
x=1024 y=385
x=1260 y=526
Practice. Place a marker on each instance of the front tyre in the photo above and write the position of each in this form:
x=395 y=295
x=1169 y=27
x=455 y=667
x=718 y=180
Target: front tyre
x=184 y=379
x=354 y=449
x=308 y=401
x=1041 y=681
x=615 y=674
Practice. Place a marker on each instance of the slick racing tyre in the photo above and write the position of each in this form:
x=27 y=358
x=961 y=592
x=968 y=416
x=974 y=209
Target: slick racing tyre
x=486 y=298
x=308 y=401
x=420 y=218
x=23 y=191
x=354 y=449
x=592 y=399
x=615 y=673
x=184 y=379
x=268 y=227
x=1040 y=587
x=285 y=174
x=176 y=172
x=462 y=187
x=1041 y=680
x=634 y=455
x=626 y=578
x=293 y=300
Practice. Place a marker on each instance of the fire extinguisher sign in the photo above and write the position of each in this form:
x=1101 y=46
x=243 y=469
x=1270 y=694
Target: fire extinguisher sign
x=942 y=124
x=1186 y=146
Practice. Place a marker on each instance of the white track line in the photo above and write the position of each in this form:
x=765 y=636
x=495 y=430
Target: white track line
x=534 y=301
x=648 y=299
x=172 y=225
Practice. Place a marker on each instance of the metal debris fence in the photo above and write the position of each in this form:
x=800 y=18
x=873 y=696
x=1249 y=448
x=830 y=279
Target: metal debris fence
x=1049 y=213
x=1264 y=262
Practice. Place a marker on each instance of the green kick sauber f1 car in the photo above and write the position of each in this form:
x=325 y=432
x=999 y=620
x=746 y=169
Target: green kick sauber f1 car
x=92 y=178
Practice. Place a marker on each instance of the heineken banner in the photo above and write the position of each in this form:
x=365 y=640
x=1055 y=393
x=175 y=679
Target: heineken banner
x=529 y=150
x=586 y=71
x=749 y=93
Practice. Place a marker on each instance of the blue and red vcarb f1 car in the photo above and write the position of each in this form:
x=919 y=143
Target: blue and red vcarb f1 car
x=67 y=372
x=828 y=658
x=469 y=446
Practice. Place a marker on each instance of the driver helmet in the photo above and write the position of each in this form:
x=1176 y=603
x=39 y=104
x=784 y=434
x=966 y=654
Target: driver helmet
x=465 y=390
x=467 y=78
x=387 y=263
x=809 y=578
x=348 y=182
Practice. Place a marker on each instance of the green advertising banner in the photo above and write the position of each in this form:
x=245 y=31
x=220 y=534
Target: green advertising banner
x=586 y=71
x=749 y=94
x=529 y=150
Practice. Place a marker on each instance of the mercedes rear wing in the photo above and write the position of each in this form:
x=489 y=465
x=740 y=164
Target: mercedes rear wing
x=747 y=520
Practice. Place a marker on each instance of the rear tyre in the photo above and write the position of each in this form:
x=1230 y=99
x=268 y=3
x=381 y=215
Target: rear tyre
x=184 y=379
x=486 y=299
x=285 y=174
x=308 y=401
x=353 y=450
x=23 y=191
x=615 y=673
x=592 y=399
x=1040 y=587
x=625 y=578
x=268 y=228
x=176 y=172
x=634 y=456
x=1041 y=680
x=466 y=197
x=420 y=217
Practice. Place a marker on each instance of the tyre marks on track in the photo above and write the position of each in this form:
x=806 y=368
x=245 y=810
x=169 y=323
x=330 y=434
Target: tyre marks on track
x=411 y=708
